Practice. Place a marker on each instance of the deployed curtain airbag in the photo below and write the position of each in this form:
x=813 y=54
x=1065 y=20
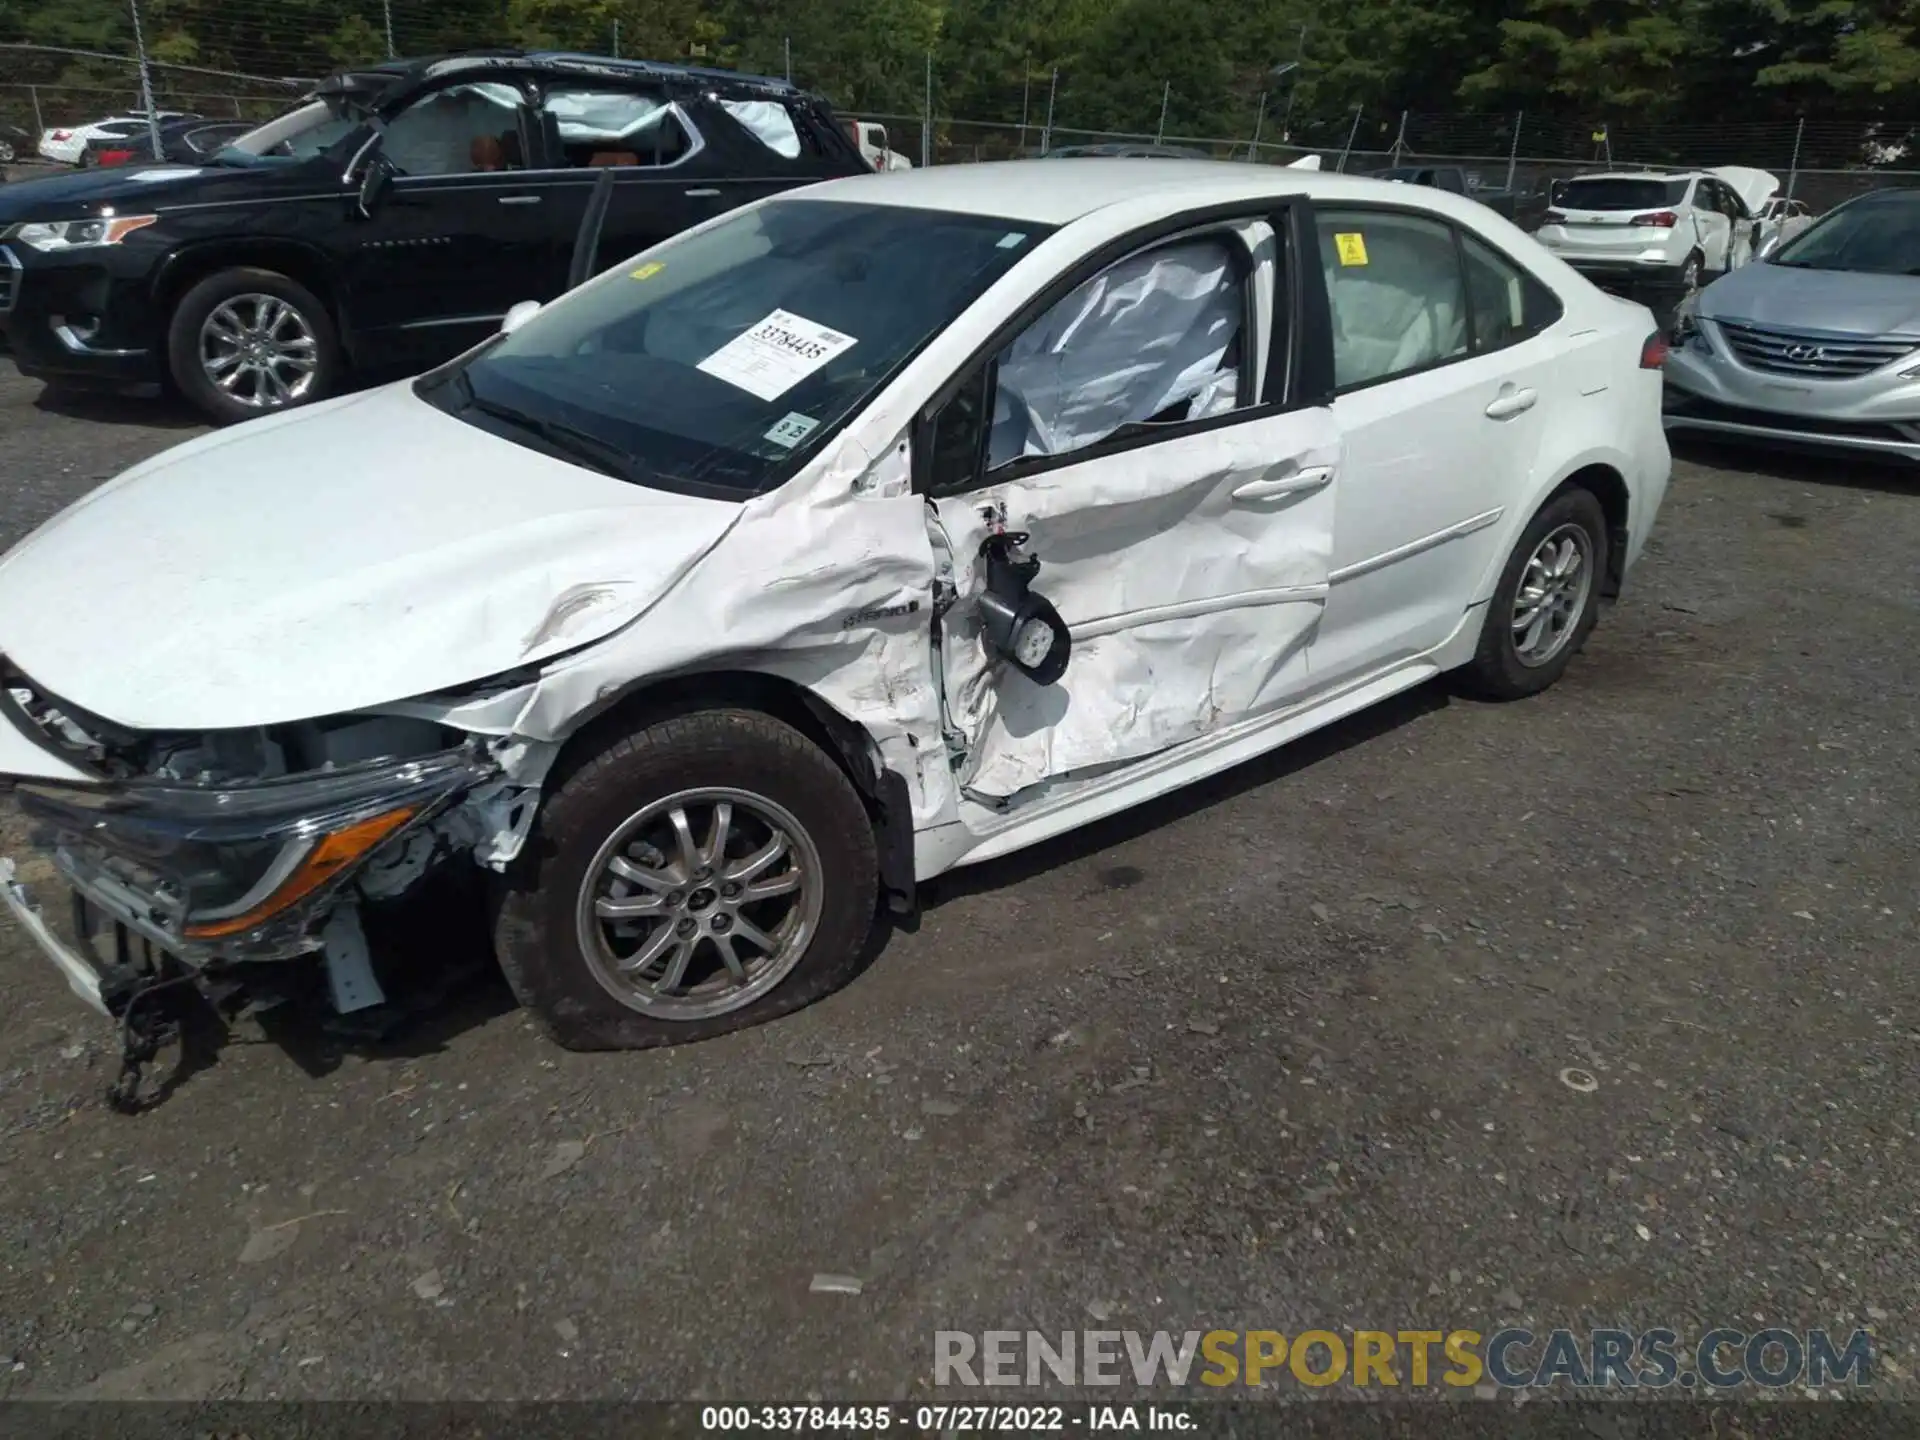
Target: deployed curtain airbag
x=770 y=123
x=1143 y=337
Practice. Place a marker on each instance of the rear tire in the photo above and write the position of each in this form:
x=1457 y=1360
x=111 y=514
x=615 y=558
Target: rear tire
x=607 y=840
x=1547 y=601
x=288 y=352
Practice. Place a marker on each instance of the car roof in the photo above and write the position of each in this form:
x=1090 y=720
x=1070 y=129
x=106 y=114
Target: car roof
x=578 y=62
x=1639 y=175
x=1069 y=189
x=1124 y=149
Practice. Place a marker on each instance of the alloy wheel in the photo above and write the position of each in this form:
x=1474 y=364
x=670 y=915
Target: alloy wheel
x=259 y=350
x=700 y=903
x=1552 y=595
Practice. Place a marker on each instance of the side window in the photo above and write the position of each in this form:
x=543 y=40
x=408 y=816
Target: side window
x=464 y=130
x=1395 y=293
x=616 y=127
x=1156 y=339
x=1507 y=304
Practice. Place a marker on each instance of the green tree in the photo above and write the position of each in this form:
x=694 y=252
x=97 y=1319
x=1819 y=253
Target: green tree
x=1588 y=54
x=1855 y=49
x=1142 y=50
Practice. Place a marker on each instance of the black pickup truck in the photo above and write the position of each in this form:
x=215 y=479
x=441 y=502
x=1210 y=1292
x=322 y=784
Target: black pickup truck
x=1522 y=206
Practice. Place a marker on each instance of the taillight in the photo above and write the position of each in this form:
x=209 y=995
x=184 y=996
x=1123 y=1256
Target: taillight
x=115 y=157
x=63 y=134
x=1653 y=353
x=1659 y=220
x=1555 y=217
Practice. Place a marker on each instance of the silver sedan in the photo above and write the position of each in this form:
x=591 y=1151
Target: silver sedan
x=1819 y=346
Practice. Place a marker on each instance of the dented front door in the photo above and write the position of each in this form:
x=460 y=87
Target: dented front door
x=1191 y=573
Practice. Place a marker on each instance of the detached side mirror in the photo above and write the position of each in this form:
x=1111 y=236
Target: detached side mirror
x=518 y=316
x=374 y=185
x=1020 y=626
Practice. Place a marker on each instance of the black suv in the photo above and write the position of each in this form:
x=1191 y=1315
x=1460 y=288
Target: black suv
x=389 y=222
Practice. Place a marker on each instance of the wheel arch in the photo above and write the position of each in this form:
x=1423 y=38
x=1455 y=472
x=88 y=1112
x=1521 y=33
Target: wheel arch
x=296 y=259
x=1607 y=485
x=1601 y=474
x=882 y=790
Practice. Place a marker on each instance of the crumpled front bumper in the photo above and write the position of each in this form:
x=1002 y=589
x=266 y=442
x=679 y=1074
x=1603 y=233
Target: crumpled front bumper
x=82 y=972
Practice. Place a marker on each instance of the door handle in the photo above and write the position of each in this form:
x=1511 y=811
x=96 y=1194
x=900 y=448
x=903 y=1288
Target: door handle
x=519 y=199
x=703 y=194
x=1296 y=484
x=1511 y=404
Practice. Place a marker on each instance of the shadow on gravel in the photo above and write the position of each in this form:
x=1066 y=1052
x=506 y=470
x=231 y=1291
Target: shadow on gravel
x=117 y=407
x=1369 y=724
x=1890 y=476
x=434 y=957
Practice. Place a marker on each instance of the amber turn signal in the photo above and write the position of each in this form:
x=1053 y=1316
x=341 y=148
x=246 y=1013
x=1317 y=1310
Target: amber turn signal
x=333 y=854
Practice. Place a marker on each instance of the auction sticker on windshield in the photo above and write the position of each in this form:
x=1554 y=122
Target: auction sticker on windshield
x=775 y=355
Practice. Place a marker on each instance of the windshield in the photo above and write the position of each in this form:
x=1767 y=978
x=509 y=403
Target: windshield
x=1879 y=237
x=719 y=361
x=297 y=135
x=1604 y=193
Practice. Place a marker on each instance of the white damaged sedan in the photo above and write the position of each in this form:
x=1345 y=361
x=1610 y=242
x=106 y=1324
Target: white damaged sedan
x=875 y=529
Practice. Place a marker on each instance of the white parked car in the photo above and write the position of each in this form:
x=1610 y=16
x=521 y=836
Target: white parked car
x=1683 y=228
x=878 y=528
x=1782 y=220
x=66 y=145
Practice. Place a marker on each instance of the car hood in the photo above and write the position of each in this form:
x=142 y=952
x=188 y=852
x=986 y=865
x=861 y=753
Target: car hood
x=1754 y=187
x=367 y=550
x=129 y=189
x=83 y=191
x=1839 y=302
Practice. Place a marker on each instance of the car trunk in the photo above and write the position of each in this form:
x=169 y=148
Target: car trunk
x=1600 y=214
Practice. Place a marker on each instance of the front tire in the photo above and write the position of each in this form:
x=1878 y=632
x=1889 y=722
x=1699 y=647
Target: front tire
x=246 y=342
x=1547 y=601
x=697 y=876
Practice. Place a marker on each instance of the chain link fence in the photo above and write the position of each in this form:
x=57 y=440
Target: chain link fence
x=1822 y=161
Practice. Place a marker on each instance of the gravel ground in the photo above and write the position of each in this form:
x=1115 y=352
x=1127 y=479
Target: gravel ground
x=1282 y=1051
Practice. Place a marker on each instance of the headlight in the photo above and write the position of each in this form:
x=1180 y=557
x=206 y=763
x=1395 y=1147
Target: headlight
x=234 y=858
x=80 y=234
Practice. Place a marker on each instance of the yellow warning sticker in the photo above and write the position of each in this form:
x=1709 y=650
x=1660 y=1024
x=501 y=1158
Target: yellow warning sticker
x=654 y=267
x=1352 y=247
